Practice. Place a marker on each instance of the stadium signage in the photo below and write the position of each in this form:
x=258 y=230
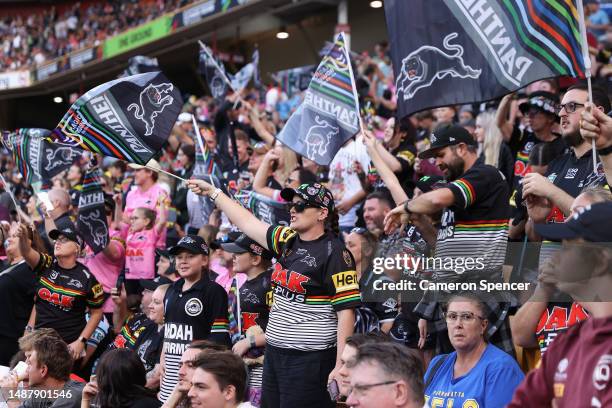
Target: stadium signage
x=81 y=58
x=197 y=12
x=138 y=36
x=17 y=79
x=46 y=71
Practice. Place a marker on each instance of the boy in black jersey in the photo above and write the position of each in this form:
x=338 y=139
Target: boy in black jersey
x=255 y=297
x=195 y=309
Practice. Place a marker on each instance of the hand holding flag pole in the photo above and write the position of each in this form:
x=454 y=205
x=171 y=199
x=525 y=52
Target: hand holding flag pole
x=587 y=71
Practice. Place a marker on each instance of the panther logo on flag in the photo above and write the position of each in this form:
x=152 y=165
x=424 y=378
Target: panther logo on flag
x=153 y=100
x=318 y=138
x=418 y=72
x=60 y=157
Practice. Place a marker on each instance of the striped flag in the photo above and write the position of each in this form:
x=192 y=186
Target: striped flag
x=37 y=159
x=462 y=51
x=329 y=115
x=129 y=118
x=91 y=220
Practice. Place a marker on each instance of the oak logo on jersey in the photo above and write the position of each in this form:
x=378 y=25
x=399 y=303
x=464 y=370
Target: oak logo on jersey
x=344 y=281
x=289 y=284
x=63 y=301
x=286 y=235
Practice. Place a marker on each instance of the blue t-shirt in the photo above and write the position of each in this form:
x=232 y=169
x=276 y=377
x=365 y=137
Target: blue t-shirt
x=490 y=384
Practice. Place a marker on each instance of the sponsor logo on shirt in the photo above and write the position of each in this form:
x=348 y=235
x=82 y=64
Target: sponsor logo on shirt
x=76 y=283
x=63 y=301
x=248 y=320
x=560 y=378
x=289 y=284
x=601 y=374
x=571 y=173
x=344 y=281
x=53 y=275
x=193 y=307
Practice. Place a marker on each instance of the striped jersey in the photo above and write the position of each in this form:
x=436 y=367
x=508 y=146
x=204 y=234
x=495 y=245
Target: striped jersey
x=63 y=296
x=198 y=313
x=311 y=282
x=473 y=235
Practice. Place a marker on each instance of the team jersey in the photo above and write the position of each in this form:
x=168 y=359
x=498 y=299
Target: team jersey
x=311 y=282
x=63 y=296
x=199 y=313
x=489 y=384
x=131 y=329
x=255 y=302
x=140 y=254
x=475 y=226
x=572 y=174
x=556 y=319
x=149 y=346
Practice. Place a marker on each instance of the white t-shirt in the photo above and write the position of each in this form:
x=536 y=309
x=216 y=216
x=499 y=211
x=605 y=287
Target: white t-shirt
x=343 y=181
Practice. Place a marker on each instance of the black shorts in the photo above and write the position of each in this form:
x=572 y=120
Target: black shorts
x=297 y=379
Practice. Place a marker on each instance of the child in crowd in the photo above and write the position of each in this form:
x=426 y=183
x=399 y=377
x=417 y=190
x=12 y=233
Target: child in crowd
x=144 y=229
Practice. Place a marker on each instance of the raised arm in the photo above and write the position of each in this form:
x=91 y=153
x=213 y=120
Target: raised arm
x=25 y=247
x=386 y=173
x=259 y=127
x=501 y=117
x=259 y=184
x=237 y=214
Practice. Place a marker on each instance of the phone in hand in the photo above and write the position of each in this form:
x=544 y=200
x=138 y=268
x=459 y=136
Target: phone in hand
x=333 y=390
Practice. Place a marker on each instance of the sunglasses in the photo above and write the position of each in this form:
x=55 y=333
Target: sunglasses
x=301 y=206
x=359 y=230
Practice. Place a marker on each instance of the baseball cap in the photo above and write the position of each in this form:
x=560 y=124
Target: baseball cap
x=184 y=117
x=313 y=193
x=592 y=225
x=541 y=100
x=163 y=253
x=245 y=244
x=152 y=284
x=447 y=136
x=69 y=231
x=192 y=243
x=429 y=183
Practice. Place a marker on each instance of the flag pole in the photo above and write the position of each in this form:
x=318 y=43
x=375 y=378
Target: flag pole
x=165 y=172
x=225 y=78
x=587 y=70
x=350 y=66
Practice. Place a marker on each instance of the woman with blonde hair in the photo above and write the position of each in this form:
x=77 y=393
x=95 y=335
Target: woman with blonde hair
x=491 y=144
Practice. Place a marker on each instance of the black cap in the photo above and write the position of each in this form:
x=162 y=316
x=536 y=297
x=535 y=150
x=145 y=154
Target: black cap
x=429 y=183
x=69 y=231
x=593 y=225
x=245 y=244
x=163 y=253
x=192 y=243
x=152 y=284
x=447 y=136
x=313 y=193
x=230 y=237
x=541 y=100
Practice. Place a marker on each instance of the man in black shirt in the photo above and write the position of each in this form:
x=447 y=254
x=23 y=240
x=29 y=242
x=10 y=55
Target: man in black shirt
x=195 y=308
x=570 y=173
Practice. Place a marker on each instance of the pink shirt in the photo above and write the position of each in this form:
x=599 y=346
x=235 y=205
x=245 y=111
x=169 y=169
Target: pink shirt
x=105 y=269
x=224 y=278
x=140 y=254
x=148 y=199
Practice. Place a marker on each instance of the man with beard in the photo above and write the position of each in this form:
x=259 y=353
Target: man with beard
x=567 y=175
x=472 y=239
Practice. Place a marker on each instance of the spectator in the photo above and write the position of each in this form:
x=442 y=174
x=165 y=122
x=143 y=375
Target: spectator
x=492 y=148
x=353 y=343
x=65 y=288
x=197 y=348
x=17 y=291
x=255 y=296
x=147 y=193
x=595 y=124
x=541 y=319
x=574 y=169
x=195 y=308
x=300 y=331
x=476 y=194
x=598 y=21
x=385 y=375
x=582 y=270
x=476 y=372
x=148 y=345
x=219 y=380
x=49 y=364
x=119 y=382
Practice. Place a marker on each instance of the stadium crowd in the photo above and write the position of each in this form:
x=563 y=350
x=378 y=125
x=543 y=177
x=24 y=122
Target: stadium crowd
x=211 y=306
x=31 y=40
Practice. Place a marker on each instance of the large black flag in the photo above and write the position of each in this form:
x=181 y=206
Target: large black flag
x=37 y=159
x=128 y=118
x=214 y=73
x=447 y=52
x=91 y=221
